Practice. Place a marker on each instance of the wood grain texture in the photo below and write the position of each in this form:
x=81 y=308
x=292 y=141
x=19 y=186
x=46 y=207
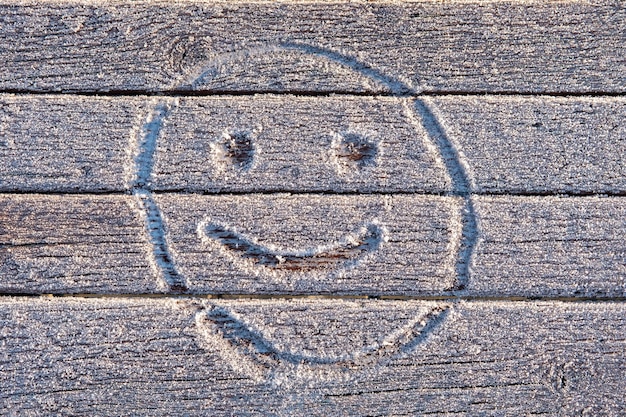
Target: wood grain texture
x=568 y=46
x=74 y=244
x=288 y=143
x=67 y=143
x=550 y=246
x=538 y=144
x=155 y=357
x=314 y=244
x=312 y=208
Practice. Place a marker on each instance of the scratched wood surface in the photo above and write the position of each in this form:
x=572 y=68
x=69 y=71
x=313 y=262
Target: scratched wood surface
x=294 y=143
x=311 y=357
x=569 y=46
x=312 y=208
x=390 y=245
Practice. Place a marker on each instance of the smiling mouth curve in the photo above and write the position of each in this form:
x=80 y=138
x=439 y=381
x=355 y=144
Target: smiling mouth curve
x=341 y=254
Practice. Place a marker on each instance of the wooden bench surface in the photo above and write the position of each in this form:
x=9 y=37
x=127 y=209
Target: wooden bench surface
x=313 y=208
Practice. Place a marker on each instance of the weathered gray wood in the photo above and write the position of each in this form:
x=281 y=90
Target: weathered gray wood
x=156 y=357
x=280 y=243
x=68 y=143
x=125 y=348
x=550 y=246
x=399 y=244
x=454 y=46
x=347 y=143
x=341 y=143
x=77 y=143
x=538 y=144
x=74 y=244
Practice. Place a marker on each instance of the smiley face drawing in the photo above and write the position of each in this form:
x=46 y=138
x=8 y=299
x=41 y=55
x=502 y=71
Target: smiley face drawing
x=383 y=203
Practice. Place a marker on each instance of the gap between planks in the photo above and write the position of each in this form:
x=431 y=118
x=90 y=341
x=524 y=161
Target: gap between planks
x=305 y=93
x=569 y=194
x=252 y=296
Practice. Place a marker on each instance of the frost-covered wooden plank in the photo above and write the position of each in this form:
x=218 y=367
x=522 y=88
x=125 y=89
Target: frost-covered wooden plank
x=568 y=46
x=284 y=142
x=77 y=143
x=538 y=144
x=310 y=357
x=280 y=243
x=74 y=244
x=278 y=142
x=237 y=244
x=550 y=246
x=67 y=143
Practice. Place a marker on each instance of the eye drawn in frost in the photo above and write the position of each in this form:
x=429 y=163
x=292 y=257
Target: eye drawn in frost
x=235 y=149
x=353 y=151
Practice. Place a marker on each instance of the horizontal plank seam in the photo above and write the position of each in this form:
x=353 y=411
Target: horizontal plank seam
x=565 y=194
x=305 y=93
x=252 y=296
